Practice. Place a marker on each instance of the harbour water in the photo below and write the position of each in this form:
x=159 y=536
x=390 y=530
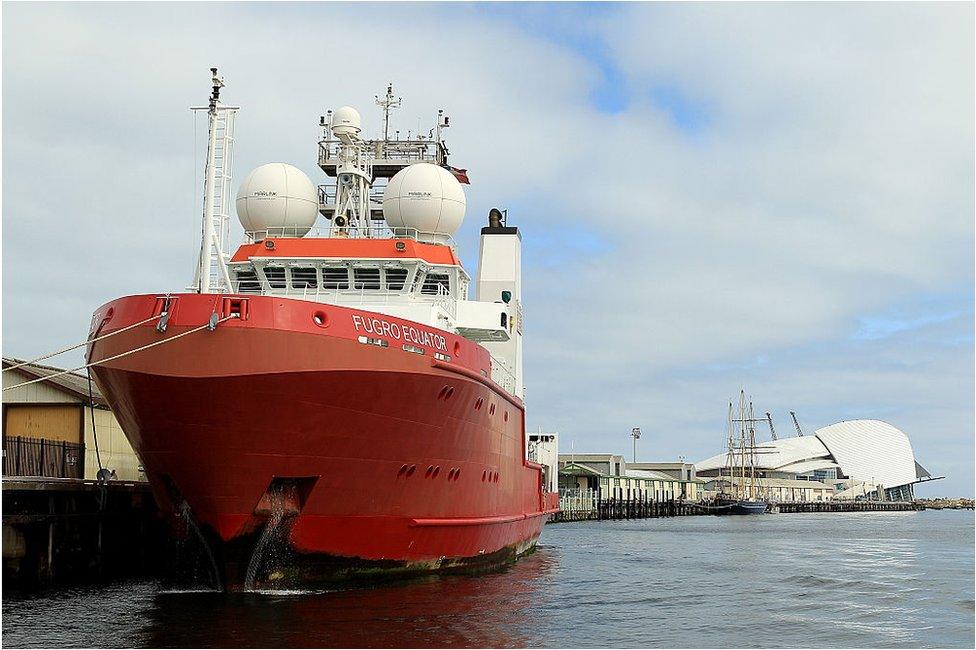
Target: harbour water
x=902 y=579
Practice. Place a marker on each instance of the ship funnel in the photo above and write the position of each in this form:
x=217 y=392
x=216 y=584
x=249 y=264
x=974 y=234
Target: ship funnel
x=495 y=218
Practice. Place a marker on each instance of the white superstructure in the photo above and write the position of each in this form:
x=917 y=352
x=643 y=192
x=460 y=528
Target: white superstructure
x=387 y=245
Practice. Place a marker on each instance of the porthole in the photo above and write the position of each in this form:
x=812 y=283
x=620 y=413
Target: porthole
x=320 y=318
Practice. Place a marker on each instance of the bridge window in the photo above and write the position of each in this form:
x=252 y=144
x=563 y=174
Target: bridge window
x=395 y=279
x=366 y=278
x=247 y=281
x=335 y=277
x=276 y=276
x=304 y=278
x=433 y=283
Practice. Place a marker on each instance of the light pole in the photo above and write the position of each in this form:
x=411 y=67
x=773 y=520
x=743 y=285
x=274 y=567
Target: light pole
x=635 y=433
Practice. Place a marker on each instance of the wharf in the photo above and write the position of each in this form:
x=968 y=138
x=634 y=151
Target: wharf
x=74 y=530
x=616 y=509
x=847 y=506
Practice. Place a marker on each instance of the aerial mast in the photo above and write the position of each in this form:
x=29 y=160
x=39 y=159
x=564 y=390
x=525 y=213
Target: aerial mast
x=211 y=274
x=388 y=103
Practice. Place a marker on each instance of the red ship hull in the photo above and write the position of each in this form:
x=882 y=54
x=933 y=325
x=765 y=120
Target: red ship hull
x=381 y=455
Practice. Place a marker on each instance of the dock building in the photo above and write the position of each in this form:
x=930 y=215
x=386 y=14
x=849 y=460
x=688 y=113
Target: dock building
x=49 y=427
x=855 y=459
x=609 y=476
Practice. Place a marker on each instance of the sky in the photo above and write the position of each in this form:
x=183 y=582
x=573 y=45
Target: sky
x=712 y=197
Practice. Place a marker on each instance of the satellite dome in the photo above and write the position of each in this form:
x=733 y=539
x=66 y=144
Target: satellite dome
x=277 y=199
x=427 y=198
x=346 y=121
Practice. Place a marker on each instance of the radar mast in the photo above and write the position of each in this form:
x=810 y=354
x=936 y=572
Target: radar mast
x=211 y=274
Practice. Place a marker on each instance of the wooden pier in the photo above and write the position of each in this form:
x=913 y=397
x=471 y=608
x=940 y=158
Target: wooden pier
x=60 y=530
x=847 y=506
x=615 y=509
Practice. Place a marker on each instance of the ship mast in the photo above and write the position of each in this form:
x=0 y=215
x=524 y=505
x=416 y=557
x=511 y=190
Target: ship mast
x=388 y=103
x=354 y=176
x=211 y=275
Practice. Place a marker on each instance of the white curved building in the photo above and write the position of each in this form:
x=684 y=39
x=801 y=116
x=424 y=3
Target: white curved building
x=860 y=457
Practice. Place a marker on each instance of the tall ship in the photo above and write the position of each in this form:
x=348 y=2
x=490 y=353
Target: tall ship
x=742 y=492
x=334 y=389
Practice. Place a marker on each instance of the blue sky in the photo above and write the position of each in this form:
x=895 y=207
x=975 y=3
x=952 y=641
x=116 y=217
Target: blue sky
x=712 y=196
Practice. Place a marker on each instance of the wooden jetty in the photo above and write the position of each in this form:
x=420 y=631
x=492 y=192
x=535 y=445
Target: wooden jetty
x=847 y=506
x=597 y=509
x=615 y=509
x=58 y=530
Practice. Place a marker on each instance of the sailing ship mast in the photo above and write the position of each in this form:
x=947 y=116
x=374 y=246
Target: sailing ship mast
x=741 y=457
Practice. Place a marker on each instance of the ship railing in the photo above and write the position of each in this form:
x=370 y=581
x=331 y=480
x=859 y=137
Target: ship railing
x=416 y=150
x=371 y=232
x=502 y=375
x=446 y=301
x=362 y=296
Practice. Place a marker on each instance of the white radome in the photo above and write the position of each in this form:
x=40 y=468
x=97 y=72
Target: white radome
x=346 y=121
x=279 y=198
x=427 y=198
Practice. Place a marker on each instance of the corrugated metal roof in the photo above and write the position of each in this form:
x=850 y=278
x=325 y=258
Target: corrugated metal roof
x=72 y=382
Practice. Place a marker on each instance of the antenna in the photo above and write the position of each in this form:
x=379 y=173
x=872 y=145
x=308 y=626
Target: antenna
x=211 y=275
x=388 y=103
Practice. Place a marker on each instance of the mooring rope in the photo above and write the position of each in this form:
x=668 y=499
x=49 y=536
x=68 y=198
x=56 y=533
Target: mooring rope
x=75 y=347
x=209 y=325
x=91 y=408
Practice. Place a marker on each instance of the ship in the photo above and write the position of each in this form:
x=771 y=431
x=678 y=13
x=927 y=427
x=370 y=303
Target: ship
x=333 y=389
x=742 y=491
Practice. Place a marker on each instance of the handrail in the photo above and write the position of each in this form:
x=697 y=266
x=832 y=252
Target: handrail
x=413 y=149
x=372 y=232
x=509 y=375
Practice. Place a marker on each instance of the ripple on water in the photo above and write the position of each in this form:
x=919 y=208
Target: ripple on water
x=784 y=580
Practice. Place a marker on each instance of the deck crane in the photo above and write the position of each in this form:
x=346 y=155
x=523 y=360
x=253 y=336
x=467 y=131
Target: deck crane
x=796 y=423
x=772 y=430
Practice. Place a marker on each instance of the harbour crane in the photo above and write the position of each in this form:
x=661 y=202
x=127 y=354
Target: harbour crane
x=796 y=423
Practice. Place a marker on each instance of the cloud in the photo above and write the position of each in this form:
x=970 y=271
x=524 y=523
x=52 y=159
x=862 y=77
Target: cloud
x=711 y=196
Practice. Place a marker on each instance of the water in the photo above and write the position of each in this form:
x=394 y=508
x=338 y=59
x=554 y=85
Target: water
x=818 y=580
